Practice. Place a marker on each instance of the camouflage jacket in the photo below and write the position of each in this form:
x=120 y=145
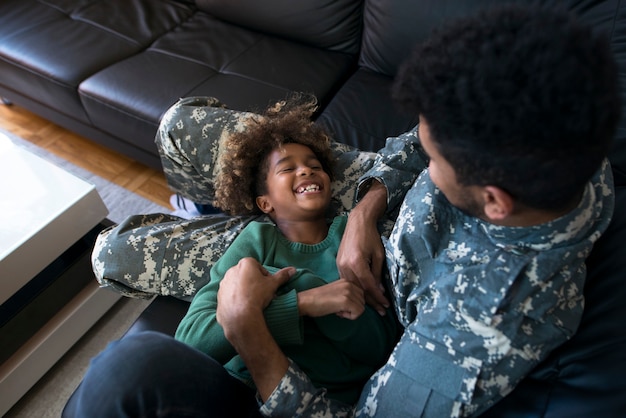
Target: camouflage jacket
x=481 y=304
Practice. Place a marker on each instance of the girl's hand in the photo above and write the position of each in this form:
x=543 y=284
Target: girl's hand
x=344 y=298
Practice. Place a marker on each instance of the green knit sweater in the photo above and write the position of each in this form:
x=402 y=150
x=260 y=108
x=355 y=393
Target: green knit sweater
x=337 y=354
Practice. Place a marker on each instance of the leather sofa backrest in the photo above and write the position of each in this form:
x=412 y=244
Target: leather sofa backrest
x=392 y=27
x=614 y=20
x=609 y=17
x=329 y=24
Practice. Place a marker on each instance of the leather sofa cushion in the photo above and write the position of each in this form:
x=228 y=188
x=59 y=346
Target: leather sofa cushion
x=48 y=48
x=615 y=21
x=392 y=27
x=355 y=118
x=206 y=57
x=329 y=24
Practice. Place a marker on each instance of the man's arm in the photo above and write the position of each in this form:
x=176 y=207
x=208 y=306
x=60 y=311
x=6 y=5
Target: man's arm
x=245 y=291
x=396 y=166
x=259 y=351
x=381 y=189
x=361 y=256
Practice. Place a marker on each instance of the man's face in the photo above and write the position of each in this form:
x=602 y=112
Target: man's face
x=465 y=198
x=298 y=188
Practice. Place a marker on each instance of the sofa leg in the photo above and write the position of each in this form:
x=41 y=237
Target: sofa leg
x=6 y=101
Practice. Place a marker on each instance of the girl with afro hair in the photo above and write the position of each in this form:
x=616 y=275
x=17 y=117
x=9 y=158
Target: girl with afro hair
x=281 y=165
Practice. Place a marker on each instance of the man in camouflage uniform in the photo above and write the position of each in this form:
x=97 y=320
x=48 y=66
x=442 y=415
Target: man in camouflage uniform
x=485 y=284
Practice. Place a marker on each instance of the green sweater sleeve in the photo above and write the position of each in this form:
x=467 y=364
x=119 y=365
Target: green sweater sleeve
x=200 y=329
x=283 y=319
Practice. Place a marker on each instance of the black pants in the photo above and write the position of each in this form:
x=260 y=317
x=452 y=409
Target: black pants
x=152 y=375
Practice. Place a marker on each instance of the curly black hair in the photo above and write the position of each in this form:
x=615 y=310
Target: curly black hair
x=523 y=98
x=243 y=163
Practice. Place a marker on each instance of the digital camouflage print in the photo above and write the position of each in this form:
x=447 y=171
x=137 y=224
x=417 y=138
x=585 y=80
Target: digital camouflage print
x=481 y=305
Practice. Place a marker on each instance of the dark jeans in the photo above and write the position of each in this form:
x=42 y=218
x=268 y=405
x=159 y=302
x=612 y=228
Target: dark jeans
x=149 y=374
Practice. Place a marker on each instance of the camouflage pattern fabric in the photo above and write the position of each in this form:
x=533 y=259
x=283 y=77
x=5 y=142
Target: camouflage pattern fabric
x=159 y=254
x=314 y=404
x=188 y=141
x=481 y=304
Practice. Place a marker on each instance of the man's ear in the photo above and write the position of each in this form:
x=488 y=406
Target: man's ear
x=264 y=204
x=498 y=204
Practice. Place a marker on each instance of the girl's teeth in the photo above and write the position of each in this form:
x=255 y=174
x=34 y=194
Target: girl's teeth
x=309 y=188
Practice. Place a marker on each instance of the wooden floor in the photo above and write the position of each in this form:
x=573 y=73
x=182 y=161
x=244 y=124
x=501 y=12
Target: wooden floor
x=117 y=168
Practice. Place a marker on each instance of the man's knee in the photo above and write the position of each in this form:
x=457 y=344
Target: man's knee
x=136 y=356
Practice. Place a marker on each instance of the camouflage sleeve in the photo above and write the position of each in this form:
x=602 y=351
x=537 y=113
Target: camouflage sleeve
x=397 y=165
x=295 y=396
x=350 y=164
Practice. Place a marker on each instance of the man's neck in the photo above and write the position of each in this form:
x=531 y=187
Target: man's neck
x=525 y=216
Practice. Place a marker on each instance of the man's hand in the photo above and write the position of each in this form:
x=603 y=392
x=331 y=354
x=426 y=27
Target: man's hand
x=245 y=291
x=341 y=297
x=361 y=255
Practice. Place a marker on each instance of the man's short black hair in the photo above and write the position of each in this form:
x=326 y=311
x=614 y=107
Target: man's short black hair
x=523 y=98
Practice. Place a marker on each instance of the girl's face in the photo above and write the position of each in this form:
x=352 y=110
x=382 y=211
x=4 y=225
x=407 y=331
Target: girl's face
x=298 y=188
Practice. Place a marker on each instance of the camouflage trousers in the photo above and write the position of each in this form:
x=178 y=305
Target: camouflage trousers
x=160 y=254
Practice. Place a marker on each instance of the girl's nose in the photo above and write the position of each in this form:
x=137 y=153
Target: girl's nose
x=304 y=171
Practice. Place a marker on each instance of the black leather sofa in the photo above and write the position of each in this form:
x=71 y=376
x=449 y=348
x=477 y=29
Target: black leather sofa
x=108 y=69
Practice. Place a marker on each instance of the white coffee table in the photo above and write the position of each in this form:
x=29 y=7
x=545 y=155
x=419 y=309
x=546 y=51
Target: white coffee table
x=44 y=210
